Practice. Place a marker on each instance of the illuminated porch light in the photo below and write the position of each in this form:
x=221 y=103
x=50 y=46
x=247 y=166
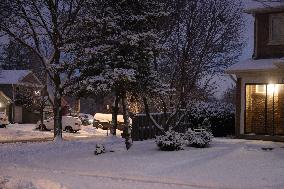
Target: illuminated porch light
x=37 y=93
x=272 y=89
x=0 y=104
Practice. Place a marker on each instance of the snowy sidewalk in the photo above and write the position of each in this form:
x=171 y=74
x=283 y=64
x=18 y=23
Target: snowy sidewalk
x=228 y=164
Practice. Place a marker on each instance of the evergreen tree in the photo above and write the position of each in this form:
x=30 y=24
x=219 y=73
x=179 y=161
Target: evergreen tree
x=123 y=41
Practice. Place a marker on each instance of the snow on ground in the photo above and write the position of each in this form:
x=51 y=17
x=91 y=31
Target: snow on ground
x=21 y=132
x=227 y=164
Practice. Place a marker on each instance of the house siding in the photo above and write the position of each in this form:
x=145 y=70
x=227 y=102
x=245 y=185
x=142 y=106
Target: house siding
x=238 y=107
x=262 y=48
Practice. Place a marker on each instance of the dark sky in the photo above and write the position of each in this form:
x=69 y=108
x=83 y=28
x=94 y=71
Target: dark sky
x=224 y=81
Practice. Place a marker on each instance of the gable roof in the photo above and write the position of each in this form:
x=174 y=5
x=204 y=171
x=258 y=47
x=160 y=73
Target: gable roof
x=17 y=77
x=12 y=76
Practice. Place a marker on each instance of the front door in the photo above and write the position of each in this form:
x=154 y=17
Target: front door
x=18 y=114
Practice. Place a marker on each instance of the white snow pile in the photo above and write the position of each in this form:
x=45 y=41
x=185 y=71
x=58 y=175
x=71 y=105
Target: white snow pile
x=19 y=183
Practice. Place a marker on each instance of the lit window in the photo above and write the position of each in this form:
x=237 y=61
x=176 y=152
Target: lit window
x=276 y=29
x=260 y=88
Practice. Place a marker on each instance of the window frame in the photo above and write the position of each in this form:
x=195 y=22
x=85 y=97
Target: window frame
x=272 y=41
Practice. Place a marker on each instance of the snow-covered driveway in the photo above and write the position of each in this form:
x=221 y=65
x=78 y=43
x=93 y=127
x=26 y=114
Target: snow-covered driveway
x=232 y=164
x=27 y=132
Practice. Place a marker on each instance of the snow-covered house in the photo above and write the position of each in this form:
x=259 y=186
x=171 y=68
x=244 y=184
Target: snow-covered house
x=10 y=82
x=260 y=80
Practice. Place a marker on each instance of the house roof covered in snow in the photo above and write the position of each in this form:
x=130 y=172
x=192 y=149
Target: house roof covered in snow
x=12 y=76
x=17 y=77
x=269 y=8
x=260 y=65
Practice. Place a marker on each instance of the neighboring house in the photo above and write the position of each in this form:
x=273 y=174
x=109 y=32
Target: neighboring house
x=10 y=82
x=260 y=80
x=4 y=103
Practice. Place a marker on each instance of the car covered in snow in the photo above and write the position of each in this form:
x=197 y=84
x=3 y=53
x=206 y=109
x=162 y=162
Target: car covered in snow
x=3 y=120
x=69 y=124
x=87 y=119
x=104 y=121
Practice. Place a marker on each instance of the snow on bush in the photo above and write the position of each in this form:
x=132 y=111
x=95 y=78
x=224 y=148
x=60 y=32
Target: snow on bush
x=220 y=116
x=198 y=138
x=99 y=149
x=170 y=141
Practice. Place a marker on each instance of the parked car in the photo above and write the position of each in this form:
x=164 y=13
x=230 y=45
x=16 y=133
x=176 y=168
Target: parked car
x=86 y=119
x=3 y=120
x=104 y=121
x=69 y=124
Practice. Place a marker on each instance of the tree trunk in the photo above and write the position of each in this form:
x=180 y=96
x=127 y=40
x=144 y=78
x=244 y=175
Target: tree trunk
x=78 y=106
x=42 y=105
x=149 y=116
x=57 y=117
x=146 y=107
x=127 y=129
x=115 y=109
x=41 y=113
x=165 y=111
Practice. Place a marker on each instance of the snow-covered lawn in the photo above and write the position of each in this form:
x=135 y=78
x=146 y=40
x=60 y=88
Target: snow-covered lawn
x=22 y=132
x=227 y=164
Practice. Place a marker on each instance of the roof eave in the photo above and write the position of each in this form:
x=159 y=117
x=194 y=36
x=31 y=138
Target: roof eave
x=265 y=10
x=253 y=71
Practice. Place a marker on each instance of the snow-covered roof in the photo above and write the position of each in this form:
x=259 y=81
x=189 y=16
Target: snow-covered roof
x=260 y=65
x=268 y=8
x=12 y=76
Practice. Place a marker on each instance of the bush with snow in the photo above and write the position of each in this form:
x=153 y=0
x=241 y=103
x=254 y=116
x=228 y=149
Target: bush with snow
x=170 y=141
x=99 y=149
x=219 y=115
x=198 y=138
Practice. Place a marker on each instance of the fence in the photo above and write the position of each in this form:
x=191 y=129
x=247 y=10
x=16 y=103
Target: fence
x=143 y=128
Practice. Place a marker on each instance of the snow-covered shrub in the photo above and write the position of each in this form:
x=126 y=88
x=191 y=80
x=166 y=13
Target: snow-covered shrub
x=218 y=114
x=99 y=149
x=200 y=138
x=170 y=141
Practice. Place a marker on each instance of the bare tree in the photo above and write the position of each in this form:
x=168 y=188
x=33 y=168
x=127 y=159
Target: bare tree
x=205 y=38
x=46 y=28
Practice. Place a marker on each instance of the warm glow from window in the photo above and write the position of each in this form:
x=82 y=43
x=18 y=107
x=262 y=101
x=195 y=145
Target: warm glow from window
x=271 y=89
x=260 y=89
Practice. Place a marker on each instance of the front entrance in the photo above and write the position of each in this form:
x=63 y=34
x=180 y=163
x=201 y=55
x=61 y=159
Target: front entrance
x=18 y=114
x=264 y=113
